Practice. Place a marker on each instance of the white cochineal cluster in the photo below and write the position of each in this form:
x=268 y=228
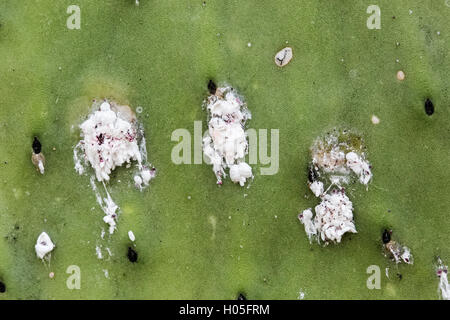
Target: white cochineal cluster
x=225 y=144
x=334 y=215
x=110 y=139
x=334 y=218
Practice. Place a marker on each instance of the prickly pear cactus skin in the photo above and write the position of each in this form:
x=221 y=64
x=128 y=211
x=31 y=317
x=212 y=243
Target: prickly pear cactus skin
x=160 y=55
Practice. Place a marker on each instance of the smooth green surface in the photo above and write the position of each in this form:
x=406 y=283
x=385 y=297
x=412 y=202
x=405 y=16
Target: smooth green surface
x=159 y=56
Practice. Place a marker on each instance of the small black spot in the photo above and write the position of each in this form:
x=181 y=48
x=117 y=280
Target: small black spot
x=2 y=287
x=37 y=147
x=429 y=107
x=212 y=87
x=132 y=255
x=386 y=236
x=400 y=277
x=241 y=297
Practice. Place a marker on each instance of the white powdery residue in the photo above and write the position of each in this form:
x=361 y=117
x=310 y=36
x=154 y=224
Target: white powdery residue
x=334 y=218
x=306 y=217
x=226 y=143
x=111 y=138
x=400 y=253
x=330 y=160
x=108 y=206
x=360 y=167
x=97 y=194
x=41 y=167
x=339 y=180
x=76 y=159
x=317 y=188
x=145 y=174
x=301 y=295
x=406 y=256
x=108 y=141
x=331 y=155
x=110 y=209
x=443 y=287
x=98 y=252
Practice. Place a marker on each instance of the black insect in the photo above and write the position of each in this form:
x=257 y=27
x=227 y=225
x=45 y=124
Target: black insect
x=37 y=147
x=212 y=87
x=2 y=287
x=313 y=175
x=386 y=236
x=429 y=107
x=241 y=297
x=132 y=255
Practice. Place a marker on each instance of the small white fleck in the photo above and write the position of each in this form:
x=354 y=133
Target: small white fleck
x=438 y=33
x=189 y=197
x=375 y=119
x=98 y=251
x=241 y=246
x=131 y=235
x=410 y=11
x=276 y=217
x=249 y=44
